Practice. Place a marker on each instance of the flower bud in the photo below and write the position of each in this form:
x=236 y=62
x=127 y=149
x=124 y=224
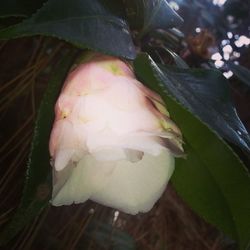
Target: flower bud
x=112 y=140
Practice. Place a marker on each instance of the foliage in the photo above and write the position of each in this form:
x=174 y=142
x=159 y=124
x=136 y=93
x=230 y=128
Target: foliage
x=37 y=188
x=86 y=24
x=241 y=72
x=212 y=179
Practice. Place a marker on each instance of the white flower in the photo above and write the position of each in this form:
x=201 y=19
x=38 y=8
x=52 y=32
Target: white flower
x=112 y=139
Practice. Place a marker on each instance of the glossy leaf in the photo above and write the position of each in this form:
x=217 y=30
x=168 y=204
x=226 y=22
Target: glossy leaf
x=158 y=14
x=206 y=94
x=84 y=23
x=176 y=32
x=19 y=8
x=241 y=72
x=212 y=179
x=178 y=60
x=167 y=38
x=37 y=191
x=115 y=6
x=152 y=14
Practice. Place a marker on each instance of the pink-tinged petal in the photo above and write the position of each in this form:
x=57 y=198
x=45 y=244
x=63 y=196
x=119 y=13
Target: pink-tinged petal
x=64 y=137
x=61 y=129
x=111 y=135
x=114 y=66
x=124 y=95
x=121 y=121
x=94 y=76
x=64 y=106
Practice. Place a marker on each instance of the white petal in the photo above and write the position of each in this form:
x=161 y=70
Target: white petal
x=135 y=187
x=80 y=181
x=107 y=138
x=133 y=155
x=148 y=144
x=62 y=158
x=129 y=187
x=110 y=154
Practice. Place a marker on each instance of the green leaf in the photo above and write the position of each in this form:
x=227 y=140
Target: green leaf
x=37 y=190
x=206 y=94
x=159 y=15
x=176 y=32
x=212 y=179
x=241 y=72
x=167 y=38
x=19 y=8
x=178 y=60
x=149 y=15
x=115 y=6
x=84 y=23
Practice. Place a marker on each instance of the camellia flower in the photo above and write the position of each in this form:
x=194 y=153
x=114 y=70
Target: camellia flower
x=112 y=140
